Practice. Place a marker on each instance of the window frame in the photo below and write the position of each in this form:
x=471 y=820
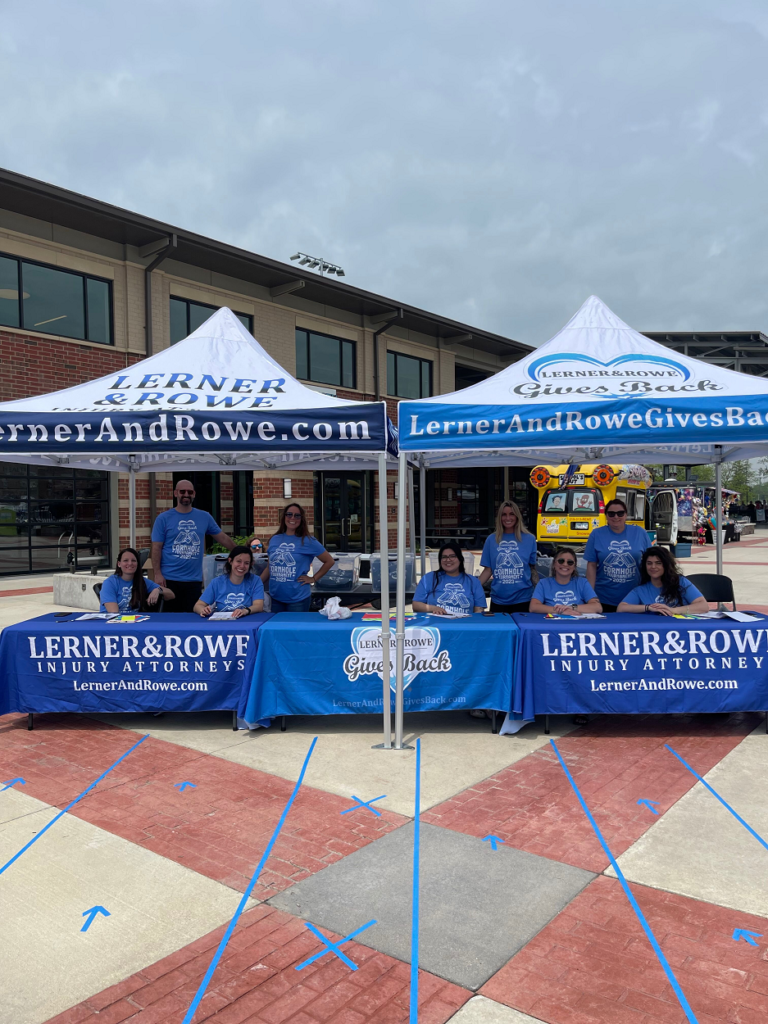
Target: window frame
x=421 y=360
x=307 y=331
x=63 y=270
x=204 y=305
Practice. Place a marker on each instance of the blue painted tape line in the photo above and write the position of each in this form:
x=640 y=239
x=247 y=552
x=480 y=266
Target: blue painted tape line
x=72 y=804
x=247 y=894
x=628 y=893
x=331 y=947
x=714 y=792
x=414 y=1014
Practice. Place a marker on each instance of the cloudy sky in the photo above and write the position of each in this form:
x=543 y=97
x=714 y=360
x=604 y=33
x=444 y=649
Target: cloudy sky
x=491 y=160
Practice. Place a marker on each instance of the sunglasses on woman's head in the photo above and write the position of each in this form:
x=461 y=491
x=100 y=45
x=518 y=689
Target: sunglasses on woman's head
x=616 y=515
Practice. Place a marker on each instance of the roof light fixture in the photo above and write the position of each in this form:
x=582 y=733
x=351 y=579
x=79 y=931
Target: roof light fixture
x=318 y=261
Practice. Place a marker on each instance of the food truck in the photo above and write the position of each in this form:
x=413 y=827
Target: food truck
x=572 y=499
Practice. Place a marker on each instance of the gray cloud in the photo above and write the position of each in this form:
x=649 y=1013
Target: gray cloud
x=495 y=161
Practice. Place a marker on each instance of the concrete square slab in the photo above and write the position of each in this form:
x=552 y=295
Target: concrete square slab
x=698 y=848
x=480 y=1010
x=156 y=907
x=458 y=751
x=478 y=907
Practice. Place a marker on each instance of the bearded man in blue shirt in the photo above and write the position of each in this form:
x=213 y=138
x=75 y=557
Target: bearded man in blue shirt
x=178 y=546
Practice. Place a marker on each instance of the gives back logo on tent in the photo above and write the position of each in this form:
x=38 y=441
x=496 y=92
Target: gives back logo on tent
x=422 y=654
x=631 y=375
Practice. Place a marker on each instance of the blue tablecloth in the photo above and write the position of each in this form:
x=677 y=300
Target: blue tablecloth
x=306 y=665
x=165 y=663
x=639 y=664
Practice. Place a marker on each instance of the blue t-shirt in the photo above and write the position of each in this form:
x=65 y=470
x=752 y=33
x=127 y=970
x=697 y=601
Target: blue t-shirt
x=646 y=593
x=549 y=591
x=223 y=593
x=458 y=595
x=183 y=538
x=289 y=558
x=618 y=558
x=115 y=588
x=510 y=561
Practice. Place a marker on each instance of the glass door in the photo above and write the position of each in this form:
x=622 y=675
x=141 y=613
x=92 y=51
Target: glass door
x=344 y=509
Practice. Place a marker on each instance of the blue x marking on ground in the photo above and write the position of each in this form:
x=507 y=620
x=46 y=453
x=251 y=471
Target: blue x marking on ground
x=365 y=803
x=332 y=947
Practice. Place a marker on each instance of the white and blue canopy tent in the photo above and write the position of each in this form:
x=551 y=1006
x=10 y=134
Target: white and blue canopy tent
x=598 y=391
x=214 y=401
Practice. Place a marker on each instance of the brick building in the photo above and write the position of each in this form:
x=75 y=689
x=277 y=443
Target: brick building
x=87 y=289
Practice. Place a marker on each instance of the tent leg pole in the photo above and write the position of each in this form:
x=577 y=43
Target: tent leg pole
x=411 y=514
x=132 y=506
x=386 y=649
x=400 y=624
x=423 y=517
x=719 y=511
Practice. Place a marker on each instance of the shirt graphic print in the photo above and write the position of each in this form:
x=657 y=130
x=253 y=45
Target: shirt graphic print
x=619 y=565
x=509 y=567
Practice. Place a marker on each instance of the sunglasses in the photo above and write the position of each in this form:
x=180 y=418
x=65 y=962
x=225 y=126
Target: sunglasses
x=293 y=515
x=615 y=515
x=564 y=561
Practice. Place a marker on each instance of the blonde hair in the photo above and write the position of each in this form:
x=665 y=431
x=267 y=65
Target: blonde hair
x=519 y=527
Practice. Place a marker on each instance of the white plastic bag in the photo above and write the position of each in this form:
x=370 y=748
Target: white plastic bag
x=333 y=610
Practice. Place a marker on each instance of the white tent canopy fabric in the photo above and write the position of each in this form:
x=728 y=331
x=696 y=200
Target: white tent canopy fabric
x=213 y=401
x=597 y=391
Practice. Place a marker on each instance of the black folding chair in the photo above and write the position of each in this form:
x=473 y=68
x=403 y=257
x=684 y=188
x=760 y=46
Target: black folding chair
x=717 y=589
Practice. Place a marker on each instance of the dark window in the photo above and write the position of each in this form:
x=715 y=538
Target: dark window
x=324 y=359
x=408 y=376
x=52 y=518
x=53 y=301
x=187 y=316
x=466 y=376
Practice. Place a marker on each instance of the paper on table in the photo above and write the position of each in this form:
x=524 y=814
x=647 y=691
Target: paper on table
x=219 y=616
x=96 y=615
x=741 y=616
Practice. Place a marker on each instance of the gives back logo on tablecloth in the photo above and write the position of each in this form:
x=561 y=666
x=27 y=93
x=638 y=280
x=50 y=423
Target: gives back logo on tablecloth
x=422 y=654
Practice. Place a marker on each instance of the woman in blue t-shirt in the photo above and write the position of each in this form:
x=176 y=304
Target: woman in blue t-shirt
x=128 y=590
x=449 y=591
x=509 y=556
x=662 y=587
x=612 y=554
x=291 y=551
x=236 y=590
x=565 y=592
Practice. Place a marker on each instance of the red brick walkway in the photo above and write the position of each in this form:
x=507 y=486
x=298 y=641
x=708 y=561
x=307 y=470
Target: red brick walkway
x=593 y=965
x=256 y=982
x=614 y=762
x=219 y=829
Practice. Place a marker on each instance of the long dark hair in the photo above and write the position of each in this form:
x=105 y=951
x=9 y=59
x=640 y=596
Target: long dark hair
x=450 y=545
x=302 y=530
x=240 y=549
x=567 y=551
x=139 y=593
x=671 y=590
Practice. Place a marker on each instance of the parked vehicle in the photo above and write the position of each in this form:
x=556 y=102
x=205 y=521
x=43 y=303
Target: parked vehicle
x=572 y=499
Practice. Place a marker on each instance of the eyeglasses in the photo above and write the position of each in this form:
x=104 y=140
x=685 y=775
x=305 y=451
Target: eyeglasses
x=293 y=515
x=565 y=561
x=616 y=515
x=450 y=557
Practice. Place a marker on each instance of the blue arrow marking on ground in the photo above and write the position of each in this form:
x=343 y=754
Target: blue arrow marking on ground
x=493 y=840
x=91 y=915
x=181 y=786
x=649 y=804
x=742 y=933
x=11 y=782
